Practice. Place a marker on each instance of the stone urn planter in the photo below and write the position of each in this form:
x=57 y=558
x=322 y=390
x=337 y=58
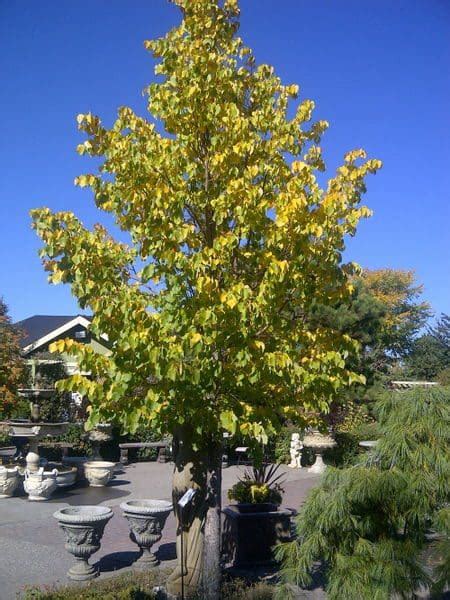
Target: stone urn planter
x=146 y=519
x=83 y=527
x=99 y=472
x=40 y=485
x=248 y=538
x=318 y=442
x=66 y=476
x=9 y=481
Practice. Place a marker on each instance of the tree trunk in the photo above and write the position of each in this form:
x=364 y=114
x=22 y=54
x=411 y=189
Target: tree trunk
x=211 y=571
x=189 y=472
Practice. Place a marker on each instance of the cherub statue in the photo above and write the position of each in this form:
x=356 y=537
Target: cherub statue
x=296 y=451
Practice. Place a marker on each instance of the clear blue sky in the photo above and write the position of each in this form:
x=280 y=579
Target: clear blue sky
x=378 y=71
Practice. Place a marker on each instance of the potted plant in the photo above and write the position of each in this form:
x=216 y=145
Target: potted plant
x=258 y=490
x=256 y=523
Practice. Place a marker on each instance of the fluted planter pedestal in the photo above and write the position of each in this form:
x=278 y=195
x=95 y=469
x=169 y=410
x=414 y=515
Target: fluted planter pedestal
x=84 y=527
x=146 y=519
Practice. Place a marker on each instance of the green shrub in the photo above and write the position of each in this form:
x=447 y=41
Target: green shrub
x=238 y=589
x=444 y=377
x=76 y=435
x=348 y=449
x=368 y=525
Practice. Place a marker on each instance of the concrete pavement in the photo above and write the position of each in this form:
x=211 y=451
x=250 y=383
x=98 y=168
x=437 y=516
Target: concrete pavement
x=32 y=545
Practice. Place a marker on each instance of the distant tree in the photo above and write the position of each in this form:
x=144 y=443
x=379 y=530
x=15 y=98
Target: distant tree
x=427 y=358
x=404 y=313
x=441 y=332
x=362 y=317
x=12 y=367
x=384 y=313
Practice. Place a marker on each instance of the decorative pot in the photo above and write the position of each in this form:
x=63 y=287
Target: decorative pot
x=9 y=480
x=83 y=527
x=66 y=475
x=40 y=485
x=146 y=519
x=248 y=539
x=250 y=507
x=99 y=472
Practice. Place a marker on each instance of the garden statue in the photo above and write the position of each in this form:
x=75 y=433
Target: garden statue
x=296 y=451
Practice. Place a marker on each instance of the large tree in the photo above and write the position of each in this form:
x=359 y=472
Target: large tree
x=12 y=366
x=404 y=312
x=231 y=240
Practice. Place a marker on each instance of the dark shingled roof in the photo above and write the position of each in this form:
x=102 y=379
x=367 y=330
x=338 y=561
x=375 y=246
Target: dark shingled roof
x=37 y=326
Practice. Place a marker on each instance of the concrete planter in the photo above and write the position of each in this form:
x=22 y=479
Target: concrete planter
x=66 y=475
x=146 y=519
x=40 y=485
x=248 y=538
x=83 y=527
x=9 y=481
x=99 y=472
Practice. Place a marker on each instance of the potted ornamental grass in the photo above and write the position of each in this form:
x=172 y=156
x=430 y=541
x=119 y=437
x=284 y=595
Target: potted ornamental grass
x=256 y=522
x=258 y=490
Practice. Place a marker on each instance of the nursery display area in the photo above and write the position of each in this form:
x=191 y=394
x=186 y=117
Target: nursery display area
x=229 y=398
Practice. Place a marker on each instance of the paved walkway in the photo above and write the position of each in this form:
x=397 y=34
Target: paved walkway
x=32 y=545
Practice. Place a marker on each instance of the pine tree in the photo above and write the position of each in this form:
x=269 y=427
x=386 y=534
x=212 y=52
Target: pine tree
x=368 y=524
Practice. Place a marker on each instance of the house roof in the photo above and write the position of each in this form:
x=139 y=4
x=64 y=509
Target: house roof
x=41 y=326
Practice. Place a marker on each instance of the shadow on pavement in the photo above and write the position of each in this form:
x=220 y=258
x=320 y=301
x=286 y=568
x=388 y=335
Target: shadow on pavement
x=167 y=552
x=116 y=561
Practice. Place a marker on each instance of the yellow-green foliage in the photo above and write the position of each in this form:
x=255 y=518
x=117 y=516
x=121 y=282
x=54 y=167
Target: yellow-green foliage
x=231 y=241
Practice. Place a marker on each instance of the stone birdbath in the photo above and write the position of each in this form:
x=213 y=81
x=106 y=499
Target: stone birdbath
x=101 y=433
x=319 y=442
x=146 y=519
x=83 y=527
